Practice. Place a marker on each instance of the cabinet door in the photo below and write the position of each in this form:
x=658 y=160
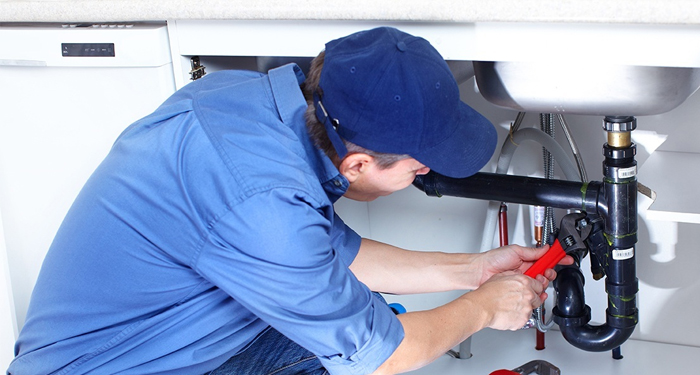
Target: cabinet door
x=8 y=322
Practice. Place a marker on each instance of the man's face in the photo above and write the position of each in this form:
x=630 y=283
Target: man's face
x=372 y=182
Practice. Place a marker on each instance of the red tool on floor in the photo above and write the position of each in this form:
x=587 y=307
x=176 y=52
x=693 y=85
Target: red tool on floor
x=536 y=367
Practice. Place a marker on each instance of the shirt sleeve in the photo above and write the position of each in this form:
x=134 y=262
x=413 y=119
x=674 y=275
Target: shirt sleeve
x=345 y=240
x=277 y=254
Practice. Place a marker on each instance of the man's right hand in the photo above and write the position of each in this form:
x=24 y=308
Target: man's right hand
x=508 y=299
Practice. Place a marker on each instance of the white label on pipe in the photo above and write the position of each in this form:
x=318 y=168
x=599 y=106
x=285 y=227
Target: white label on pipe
x=623 y=254
x=627 y=172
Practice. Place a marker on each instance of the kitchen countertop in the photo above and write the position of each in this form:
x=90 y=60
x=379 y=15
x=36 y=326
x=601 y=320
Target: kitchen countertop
x=597 y=11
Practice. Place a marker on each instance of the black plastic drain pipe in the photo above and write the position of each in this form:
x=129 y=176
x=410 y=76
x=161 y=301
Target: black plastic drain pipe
x=514 y=189
x=618 y=260
x=614 y=200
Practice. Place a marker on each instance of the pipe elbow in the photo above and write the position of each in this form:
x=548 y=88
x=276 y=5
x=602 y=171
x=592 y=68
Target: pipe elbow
x=573 y=315
x=571 y=301
x=599 y=338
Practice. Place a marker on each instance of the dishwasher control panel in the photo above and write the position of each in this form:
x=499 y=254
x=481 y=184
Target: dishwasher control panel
x=87 y=49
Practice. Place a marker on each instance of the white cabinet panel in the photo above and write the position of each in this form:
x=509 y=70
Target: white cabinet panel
x=57 y=122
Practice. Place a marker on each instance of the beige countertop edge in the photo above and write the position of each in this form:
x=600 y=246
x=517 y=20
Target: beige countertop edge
x=584 y=11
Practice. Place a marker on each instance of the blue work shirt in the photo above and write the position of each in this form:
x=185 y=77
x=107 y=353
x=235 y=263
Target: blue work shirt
x=209 y=220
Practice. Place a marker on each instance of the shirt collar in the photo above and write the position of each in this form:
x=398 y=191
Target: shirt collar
x=291 y=106
x=285 y=82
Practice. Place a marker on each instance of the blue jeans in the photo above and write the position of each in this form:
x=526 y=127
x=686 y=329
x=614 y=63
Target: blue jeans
x=272 y=353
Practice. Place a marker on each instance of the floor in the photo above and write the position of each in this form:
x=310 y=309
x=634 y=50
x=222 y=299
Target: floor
x=494 y=350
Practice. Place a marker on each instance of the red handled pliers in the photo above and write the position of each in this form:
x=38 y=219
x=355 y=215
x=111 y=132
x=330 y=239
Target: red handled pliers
x=573 y=232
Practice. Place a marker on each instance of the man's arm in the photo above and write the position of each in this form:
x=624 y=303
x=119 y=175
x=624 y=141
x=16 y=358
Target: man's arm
x=502 y=297
x=389 y=269
x=504 y=302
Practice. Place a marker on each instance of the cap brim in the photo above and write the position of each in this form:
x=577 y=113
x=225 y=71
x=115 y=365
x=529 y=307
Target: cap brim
x=467 y=150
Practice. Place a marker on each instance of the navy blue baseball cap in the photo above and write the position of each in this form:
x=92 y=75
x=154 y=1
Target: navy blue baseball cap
x=391 y=92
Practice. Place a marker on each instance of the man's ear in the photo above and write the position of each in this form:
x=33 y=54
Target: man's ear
x=354 y=165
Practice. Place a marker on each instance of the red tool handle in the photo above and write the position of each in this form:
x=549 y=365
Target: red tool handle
x=550 y=259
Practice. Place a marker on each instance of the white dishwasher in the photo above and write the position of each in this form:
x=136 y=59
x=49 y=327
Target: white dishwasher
x=66 y=92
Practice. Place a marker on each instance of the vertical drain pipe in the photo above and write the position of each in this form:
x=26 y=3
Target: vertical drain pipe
x=618 y=207
x=621 y=227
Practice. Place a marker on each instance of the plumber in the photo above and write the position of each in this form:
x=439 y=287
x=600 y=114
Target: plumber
x=206 y=242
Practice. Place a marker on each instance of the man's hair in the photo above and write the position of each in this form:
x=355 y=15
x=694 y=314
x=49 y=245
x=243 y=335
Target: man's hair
x=318 y=132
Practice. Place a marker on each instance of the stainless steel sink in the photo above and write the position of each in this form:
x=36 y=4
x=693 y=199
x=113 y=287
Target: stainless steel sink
x=585 y=88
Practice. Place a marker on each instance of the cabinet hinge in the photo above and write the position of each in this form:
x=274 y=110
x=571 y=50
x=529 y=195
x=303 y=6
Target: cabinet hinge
x=197 y=71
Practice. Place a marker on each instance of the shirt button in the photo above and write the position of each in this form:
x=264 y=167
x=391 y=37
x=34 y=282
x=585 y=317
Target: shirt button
x=337 y=183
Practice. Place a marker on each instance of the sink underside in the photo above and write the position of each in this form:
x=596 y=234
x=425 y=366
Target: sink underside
x=587 y=89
